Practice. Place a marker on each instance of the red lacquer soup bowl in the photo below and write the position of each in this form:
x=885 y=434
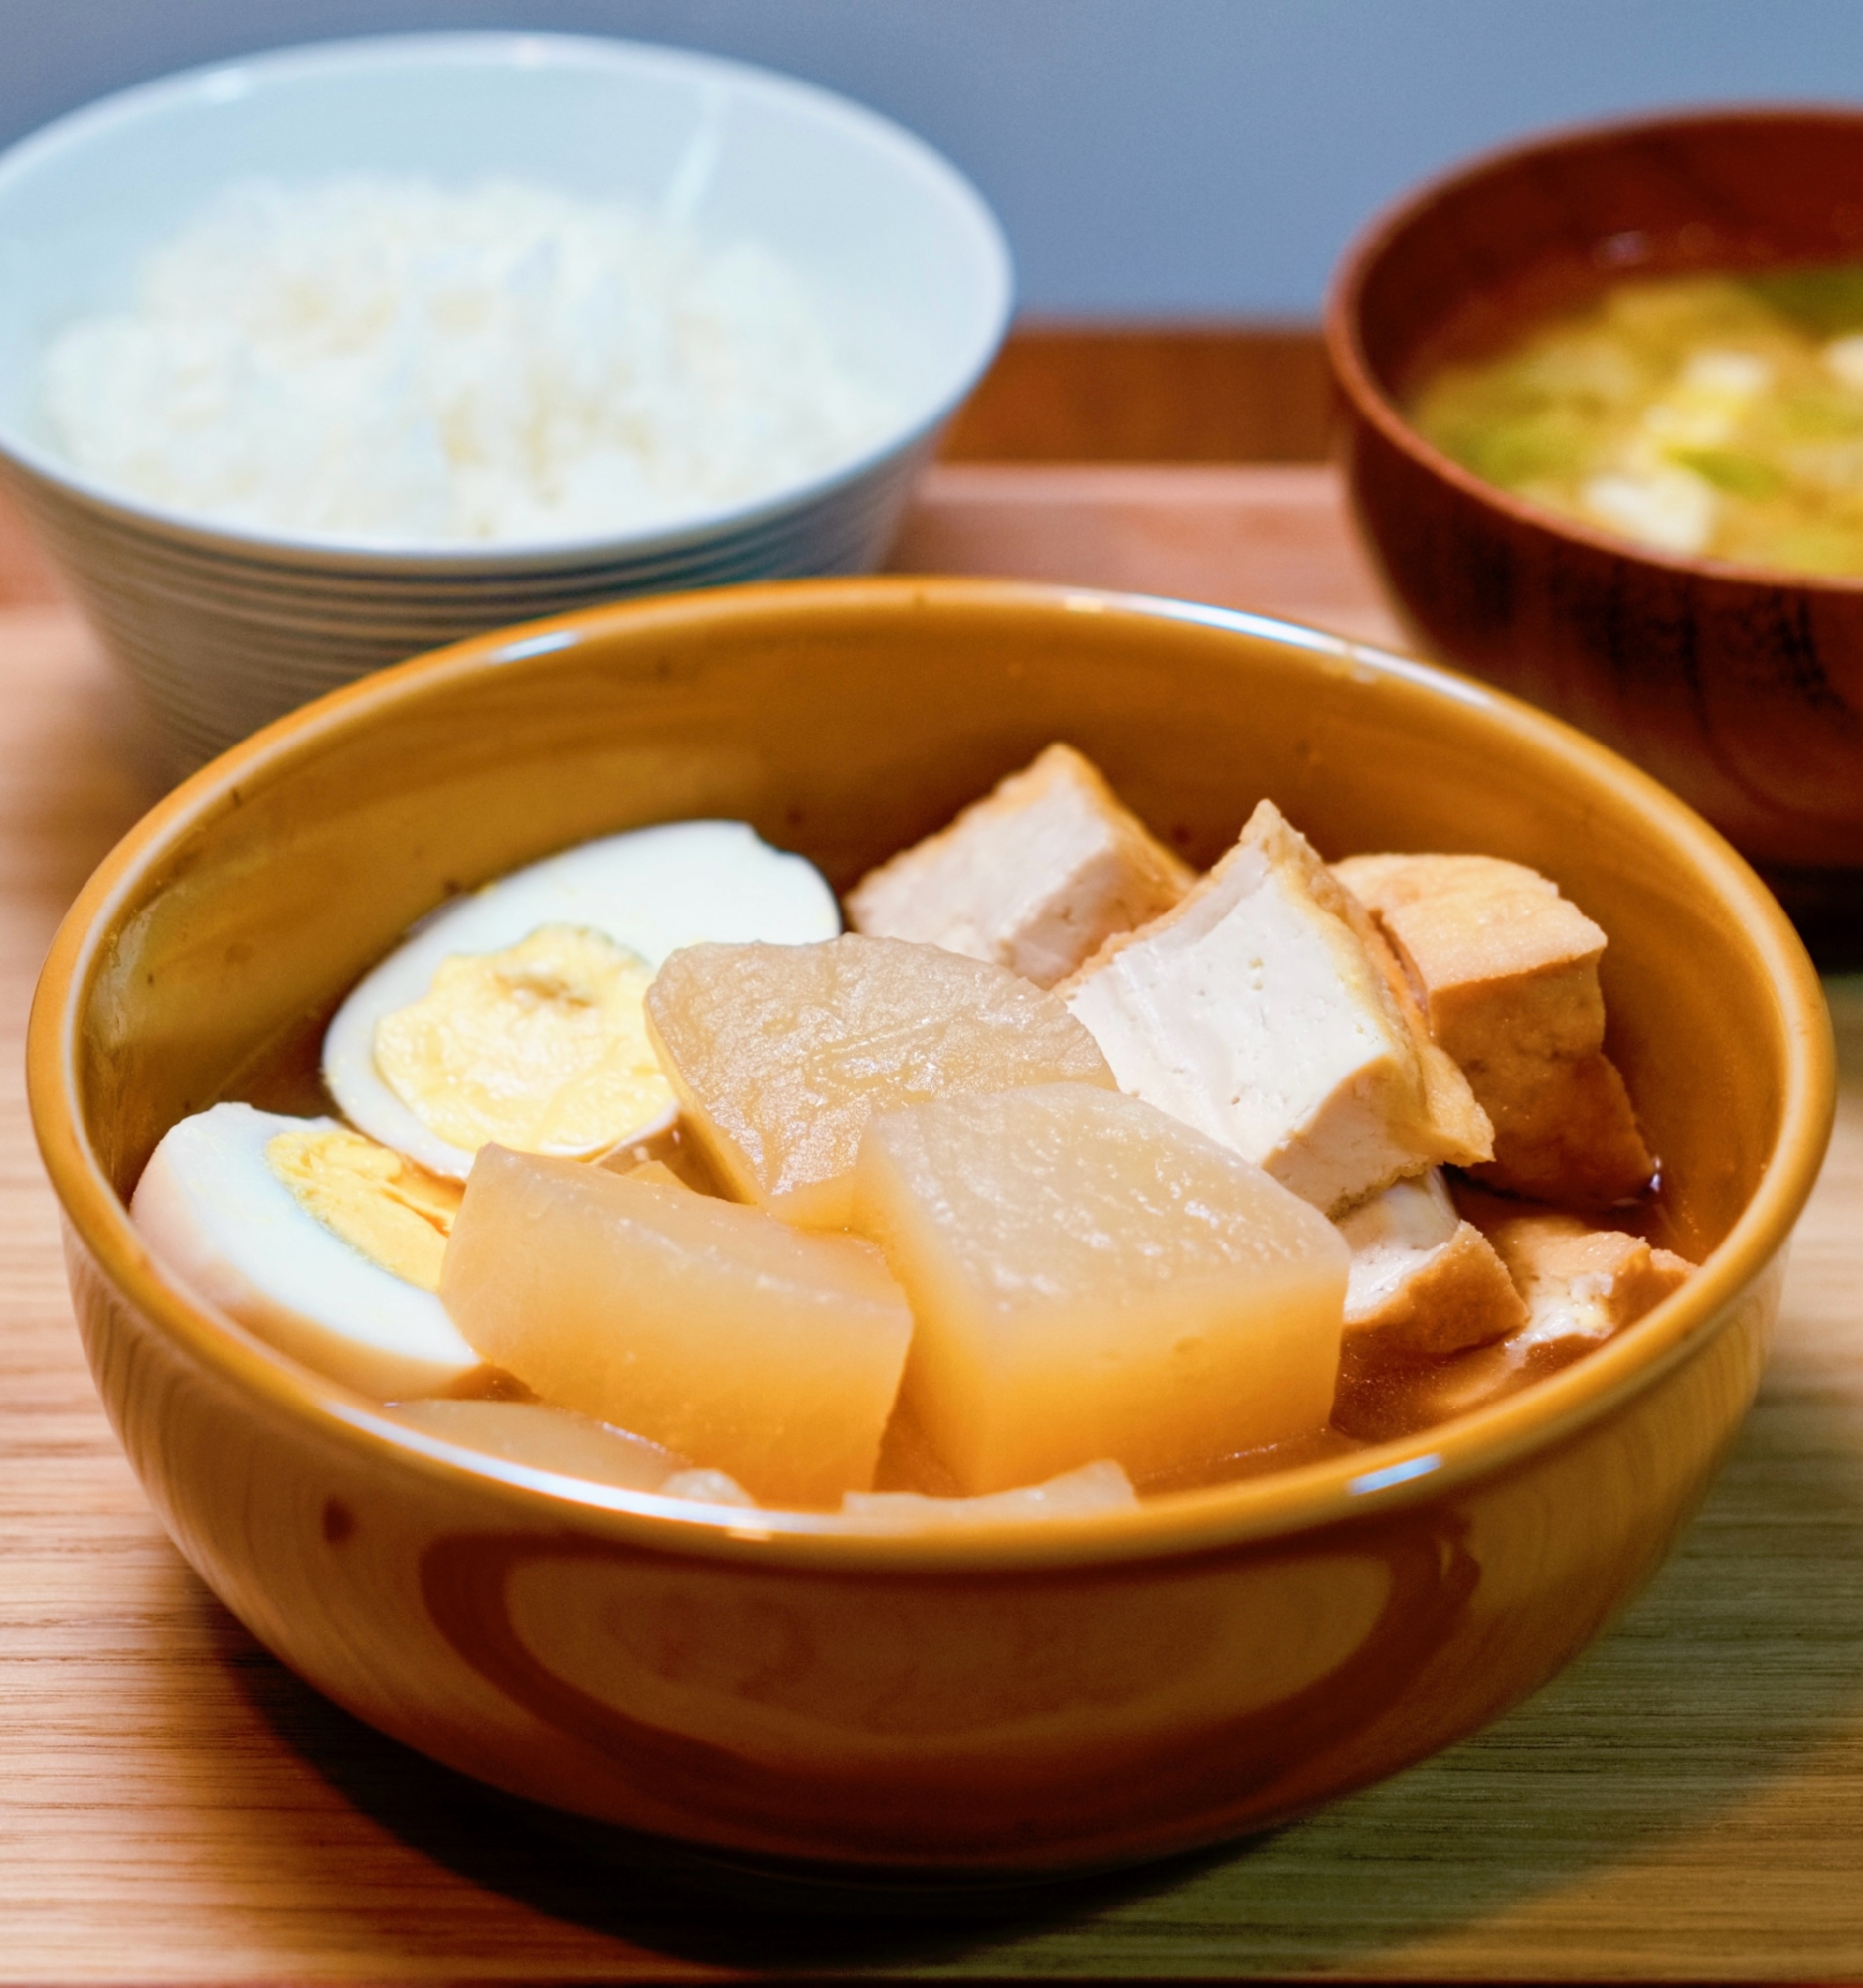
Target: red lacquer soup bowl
x=1742 y=688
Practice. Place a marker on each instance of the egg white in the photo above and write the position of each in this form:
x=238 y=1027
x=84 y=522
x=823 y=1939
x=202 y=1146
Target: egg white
x=215 y=1215
x=651 y=889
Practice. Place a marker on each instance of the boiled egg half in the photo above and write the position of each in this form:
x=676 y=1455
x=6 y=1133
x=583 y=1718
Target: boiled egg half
x=515 y=1015
x=321 y=1241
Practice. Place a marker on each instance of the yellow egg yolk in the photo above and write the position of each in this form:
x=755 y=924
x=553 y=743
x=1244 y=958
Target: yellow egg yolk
x=541 y=1048
x=396 y=1213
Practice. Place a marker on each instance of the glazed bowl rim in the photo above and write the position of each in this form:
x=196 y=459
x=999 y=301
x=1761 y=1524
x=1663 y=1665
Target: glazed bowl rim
x=1371 y=1483
x=355 y=557
x=1358 y=380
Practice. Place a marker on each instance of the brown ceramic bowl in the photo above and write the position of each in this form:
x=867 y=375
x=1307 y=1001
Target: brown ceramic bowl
x=1741 y=688
x=1030 y=1699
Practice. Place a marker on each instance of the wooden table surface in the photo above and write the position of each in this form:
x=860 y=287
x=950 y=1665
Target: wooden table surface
x=1687 y=1801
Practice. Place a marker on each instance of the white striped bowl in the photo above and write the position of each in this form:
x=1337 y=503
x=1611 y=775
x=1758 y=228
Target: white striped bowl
x=220 y=628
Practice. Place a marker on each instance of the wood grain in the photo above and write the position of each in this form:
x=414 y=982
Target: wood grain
x=26 y=576
x=1276 y=538
x=1082 y=393
x=1687 y=1801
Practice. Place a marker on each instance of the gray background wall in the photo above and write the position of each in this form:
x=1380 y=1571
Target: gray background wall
x=1150 y=158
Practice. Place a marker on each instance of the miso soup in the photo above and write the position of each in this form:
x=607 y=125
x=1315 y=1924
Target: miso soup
x=1713 y=415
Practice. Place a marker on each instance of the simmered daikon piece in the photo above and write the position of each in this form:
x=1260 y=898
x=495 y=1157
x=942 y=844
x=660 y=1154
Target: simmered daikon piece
x=780 y=1053
x=543 y=1437
x=711 y=1329
x=1080 y=1494
x=1092 y=1279
x=568 y=1446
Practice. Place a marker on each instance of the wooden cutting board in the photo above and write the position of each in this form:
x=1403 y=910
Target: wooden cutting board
x=1687 y=1801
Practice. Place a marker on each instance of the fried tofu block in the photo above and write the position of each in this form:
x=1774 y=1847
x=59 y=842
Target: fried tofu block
x=1034 y=876
x=1422 y=1280
x=1258 y=1011
x=1506 y=970
x=1578 y=1281
x=1578 y=1284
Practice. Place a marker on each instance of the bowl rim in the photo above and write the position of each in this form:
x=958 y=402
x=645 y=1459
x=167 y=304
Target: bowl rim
x=1359 y=385
x=1367 y=1484
x=515 y=49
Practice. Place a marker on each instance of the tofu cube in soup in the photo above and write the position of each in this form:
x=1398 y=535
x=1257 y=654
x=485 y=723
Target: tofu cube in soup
x=780 y=1053
x=1092 y=1279
x=1506 y=970
x=711 y=1329
x=1034 y=876
x=1424 y=1282
x=1259 y=1011
x=1578 y=1281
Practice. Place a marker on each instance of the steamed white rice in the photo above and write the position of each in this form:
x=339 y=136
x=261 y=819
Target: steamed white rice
x=388 y=359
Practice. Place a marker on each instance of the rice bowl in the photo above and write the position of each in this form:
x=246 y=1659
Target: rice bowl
x=221 y=627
